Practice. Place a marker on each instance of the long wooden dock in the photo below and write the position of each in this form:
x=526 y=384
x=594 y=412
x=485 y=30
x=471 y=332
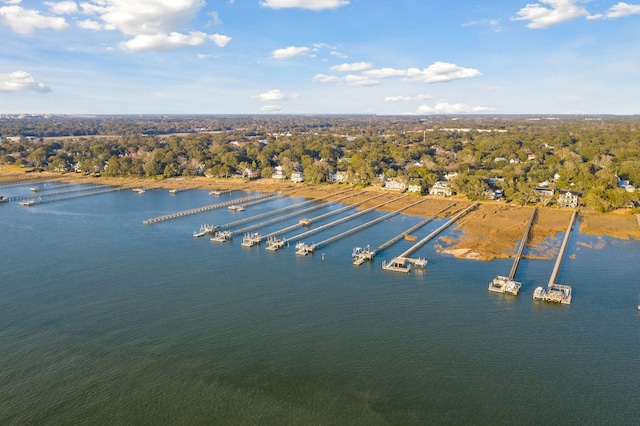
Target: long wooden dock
x=557 y=293
x=365 y=225
x=399 y=263
x=317 y=204
x=51 y=193
x=341 y=220
x=501 y=284
x=308 y=222
x=207 y=208
x=33 y=200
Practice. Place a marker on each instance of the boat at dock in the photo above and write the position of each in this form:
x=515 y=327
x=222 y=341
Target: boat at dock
x=173 y=191
x=221 y=236
x=138 y=190
x=236 y=208
x=274 y=244
x=251 y=239
x=3 y=199
x=503 y=285
x=215 y=192
x=204 y=230
x=35 y=188
x=302 y=249
x=397 y=264
x=554 y=293
x=28 y=203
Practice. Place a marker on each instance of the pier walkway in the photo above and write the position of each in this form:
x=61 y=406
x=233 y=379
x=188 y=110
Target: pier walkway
x=318 y=202
x=46 y=199
x=363 y=255
x=311 y=248
x=364 y=225
x=402 y=263
x=207 y=208
x=308 y=222
x=291 y=215
x=51 y=192
x=501 y=284
x=557 y=293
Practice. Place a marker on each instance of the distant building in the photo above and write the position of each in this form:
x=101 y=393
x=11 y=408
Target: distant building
x=394 y=185
x=251 y=173
x=543 y=193
x=568 y=199
x=279 y=173
x=441 y=188
x=297 y=177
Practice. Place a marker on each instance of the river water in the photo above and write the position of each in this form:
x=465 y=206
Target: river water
x=104 y=320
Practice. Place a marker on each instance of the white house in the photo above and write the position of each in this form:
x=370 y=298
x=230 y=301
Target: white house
x=441 y=188
x=568 y=199
x=297 y=177
x=278 y=173
x=394 y=185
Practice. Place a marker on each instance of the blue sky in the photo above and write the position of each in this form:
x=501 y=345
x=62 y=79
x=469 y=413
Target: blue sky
x=320 y=56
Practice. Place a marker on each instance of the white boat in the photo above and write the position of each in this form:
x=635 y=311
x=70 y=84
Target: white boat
x=502 y=284
x=28 y=203
x=138 y=190
x=3 y=199
x=538 y=293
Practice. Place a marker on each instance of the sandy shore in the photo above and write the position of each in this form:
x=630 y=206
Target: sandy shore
x=491 y=231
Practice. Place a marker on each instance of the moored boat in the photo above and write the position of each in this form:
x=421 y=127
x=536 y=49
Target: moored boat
x=3 y=199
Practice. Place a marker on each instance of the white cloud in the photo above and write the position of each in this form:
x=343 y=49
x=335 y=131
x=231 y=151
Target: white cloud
x=441 y=71
x=89 y=24
x=219 y=39
x=385 y=73
x=151 y=24
x=360 y=80
x=23 y=21
x=62 y=7
x=541 y=16
x=623 y=9
x=323 y=78
x=21 y=81
x=270 y=95
x=144 y=17
x=447 y=108
x=406 y=98
x=304 y=4
x=13 y=1
x=163 y=41
x=338 y=54
x=289 y=52
x=355 y=67
x=436 y=73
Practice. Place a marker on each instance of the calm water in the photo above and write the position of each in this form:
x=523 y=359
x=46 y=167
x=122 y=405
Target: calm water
x=104 y=320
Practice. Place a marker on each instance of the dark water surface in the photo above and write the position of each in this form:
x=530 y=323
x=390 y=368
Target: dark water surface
x=104 y=320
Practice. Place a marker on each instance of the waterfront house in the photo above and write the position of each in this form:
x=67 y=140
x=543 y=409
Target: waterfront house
x=394 y=185
x=279 y=173
x=568 y=199
x=441 y=188
x=297 y=177
x=251 y=173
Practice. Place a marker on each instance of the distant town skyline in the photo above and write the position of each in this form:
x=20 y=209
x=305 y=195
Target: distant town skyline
x=319 y=57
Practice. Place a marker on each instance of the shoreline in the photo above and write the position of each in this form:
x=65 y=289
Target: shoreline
x=491 y=231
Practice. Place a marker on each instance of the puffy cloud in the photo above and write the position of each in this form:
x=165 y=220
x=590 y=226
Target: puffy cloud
x=360 y=80
x=289 y=52
x=151 y=24
x=385 y=73
x=89 y=24
x=62 y=7
x=356 y=67
x=559 y=11
x=219 y=39
x=20 y=81
x=323 y=78
x=447 y=108
x=163 y=41
x=438 y=72
x=623 y=9
x=144 y=17
x=273 y=95
x=304 y=4
x=23 y=21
